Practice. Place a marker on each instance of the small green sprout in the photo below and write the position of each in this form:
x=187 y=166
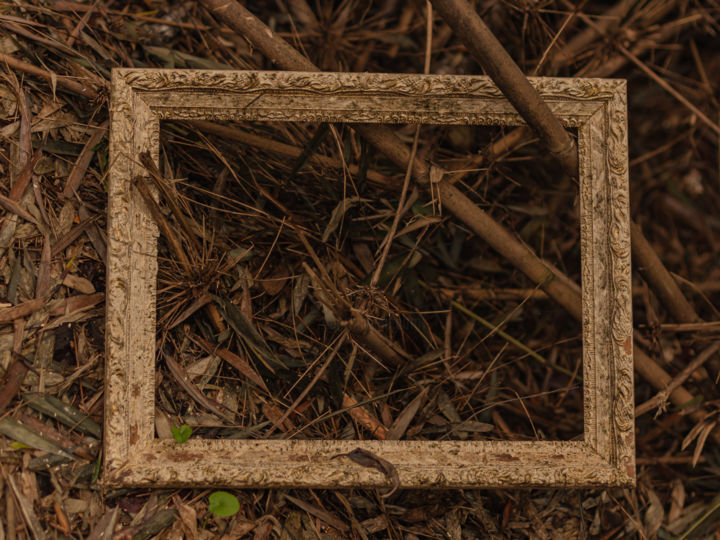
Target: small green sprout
x=182 y=433
x=223 y=504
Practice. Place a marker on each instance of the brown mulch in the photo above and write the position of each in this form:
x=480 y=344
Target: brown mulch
x=274 y=219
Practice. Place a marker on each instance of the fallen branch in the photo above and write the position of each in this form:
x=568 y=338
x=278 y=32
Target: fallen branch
x=65 y=82
x=659 y=279
x=488 y=51
x=660 y=399
x=506 y=74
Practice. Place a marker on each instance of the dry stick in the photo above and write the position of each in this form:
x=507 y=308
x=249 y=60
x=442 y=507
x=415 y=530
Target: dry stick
x=247 y=25
x=307 y=389
x=164 y=226
x=566 y=54
x=83 y=161
x=646 y=260
x=506 y=74
x=660 y=379
x=559 y=58
x=570 y=18
x=616 y=62
x=659 y=399
x=375 y=341
x=713 y=326
x=499 y=147
x=65 y=82
x=169 y=197
x=169 y=233
x=408 y=173
x=659 y=279
x=286 y=57
x=235 y=134
x=364 y=418
x=360 y=328
x=398 y=214
x=659 y=80
x=481 y=293
x=505 y=243
x=669 y=89
x=80 y=25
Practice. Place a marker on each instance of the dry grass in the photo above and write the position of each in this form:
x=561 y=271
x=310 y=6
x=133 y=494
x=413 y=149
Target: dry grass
x=280 y=227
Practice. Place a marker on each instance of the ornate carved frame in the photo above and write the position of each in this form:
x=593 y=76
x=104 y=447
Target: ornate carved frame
x=141 y=98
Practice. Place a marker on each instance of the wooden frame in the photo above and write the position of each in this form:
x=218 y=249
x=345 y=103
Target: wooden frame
x=141 y=98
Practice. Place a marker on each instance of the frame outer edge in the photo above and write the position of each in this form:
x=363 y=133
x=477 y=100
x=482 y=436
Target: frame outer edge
x=131 y=277
x=116 y=447
x=621 y=329
x=132 y=274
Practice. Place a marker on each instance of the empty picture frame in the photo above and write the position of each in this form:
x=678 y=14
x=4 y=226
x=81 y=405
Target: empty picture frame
x=133 y=456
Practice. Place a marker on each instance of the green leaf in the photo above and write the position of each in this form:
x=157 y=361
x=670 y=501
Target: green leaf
x=19 y=446
x=223 y=504
x=182 y=433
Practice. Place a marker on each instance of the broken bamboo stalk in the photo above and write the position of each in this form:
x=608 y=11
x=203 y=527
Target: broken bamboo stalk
x=659 y=279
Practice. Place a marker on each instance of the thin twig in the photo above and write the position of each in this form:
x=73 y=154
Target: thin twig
x=66 y=82
x=660 y=399
x=396 y=220
x=307 y=389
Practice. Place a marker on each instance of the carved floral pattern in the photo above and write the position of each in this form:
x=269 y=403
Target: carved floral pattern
x=607 y=455
x=364 y=84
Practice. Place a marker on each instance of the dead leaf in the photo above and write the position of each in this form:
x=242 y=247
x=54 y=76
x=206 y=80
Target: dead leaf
x=364 y=255
x=368 y=459
x=17 y=431
x=402 y=422
x=274 y=414
x=234 y=360
x=276 y=282
x=677 y=500
x=263 y=531
x=181 y=377
x=188 y=518
x=324 y=515
x=700 y=444
x=654 y=514
x=338 y=213
x=26 y=508
x=300 y=292
x=11 y=381
x=79 y=283
x=239 y=529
